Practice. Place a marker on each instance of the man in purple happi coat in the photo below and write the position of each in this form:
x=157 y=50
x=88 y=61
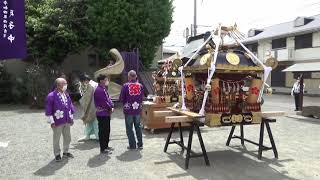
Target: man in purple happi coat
x=59 y=111
x=104 y=108
x=131 y=96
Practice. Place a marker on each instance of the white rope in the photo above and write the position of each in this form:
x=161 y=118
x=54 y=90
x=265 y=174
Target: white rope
x=266 y=70
x=183 y=94
x=212 y=70
x=199 y=48
x=183 y=106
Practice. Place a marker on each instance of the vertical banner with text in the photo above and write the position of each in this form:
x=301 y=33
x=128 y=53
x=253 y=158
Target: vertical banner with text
x=12 y=32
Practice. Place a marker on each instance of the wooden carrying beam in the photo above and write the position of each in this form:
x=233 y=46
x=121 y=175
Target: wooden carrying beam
x=177 y=119
x=163 y=113
x=186 y=113
x=266 y=114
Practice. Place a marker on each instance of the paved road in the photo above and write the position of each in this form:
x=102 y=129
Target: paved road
x=26 y=151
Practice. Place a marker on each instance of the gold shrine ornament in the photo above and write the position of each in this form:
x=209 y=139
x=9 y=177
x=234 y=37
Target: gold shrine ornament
x=271 y=62
x=176 y=63
x=206 y=59
x=233 y=58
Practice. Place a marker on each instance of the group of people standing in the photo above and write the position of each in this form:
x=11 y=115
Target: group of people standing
x=98 y=108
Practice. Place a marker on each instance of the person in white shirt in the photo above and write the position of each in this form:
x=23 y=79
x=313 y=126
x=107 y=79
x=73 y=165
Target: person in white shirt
x=295 y=91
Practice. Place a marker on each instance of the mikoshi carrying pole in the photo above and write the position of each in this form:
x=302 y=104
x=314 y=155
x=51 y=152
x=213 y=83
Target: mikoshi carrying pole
x=266 y=69
x=212 y=70
x=183 y=106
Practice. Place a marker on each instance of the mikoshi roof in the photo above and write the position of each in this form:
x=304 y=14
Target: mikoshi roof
x=222 y=64
x=304 y=67
x=246 y=63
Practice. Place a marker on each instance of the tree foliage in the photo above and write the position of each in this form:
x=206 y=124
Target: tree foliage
x=129 y=24
x=55 y=28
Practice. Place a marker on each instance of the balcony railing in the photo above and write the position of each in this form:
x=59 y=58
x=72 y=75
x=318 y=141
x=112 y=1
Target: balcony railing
x=283 y=54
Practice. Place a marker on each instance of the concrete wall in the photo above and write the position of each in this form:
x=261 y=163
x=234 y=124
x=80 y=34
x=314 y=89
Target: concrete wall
x=312 y=85
x=158 y=56
x=263 y=47
x=299 y=55
x=16 y=67
x=307 y=54
x=76 y=62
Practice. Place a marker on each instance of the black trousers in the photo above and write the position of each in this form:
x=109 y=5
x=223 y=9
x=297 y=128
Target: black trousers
x=296 y=100
x=104 y=131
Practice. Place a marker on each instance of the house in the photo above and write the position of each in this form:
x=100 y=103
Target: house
x=162 y=53
x=167 y=53
x=293 y=42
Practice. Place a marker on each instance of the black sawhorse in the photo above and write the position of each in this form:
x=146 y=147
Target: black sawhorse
x=193 y=126
x=264 y=122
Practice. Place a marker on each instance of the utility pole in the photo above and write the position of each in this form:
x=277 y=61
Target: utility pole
x=195 y=18
x=187 y=34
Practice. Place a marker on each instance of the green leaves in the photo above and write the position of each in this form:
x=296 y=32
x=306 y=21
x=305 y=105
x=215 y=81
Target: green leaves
x=128 y=24
x=56 y=28
x=52 y=30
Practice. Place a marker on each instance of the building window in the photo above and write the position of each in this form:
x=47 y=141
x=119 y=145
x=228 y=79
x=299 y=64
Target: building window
x=303 y=41
x=279 y=43
x=253 y=47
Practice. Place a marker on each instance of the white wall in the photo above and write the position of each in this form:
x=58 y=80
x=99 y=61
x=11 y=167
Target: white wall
x=307 y=54
x=316 y=39
x=298 y=55
x=263 y=47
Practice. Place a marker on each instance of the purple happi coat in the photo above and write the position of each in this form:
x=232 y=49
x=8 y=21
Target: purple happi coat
x=102 y=101
x=62 y=112
x=131 y=96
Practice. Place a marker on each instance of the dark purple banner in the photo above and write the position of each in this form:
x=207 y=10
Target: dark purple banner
x=12 y=32
x=131 y=61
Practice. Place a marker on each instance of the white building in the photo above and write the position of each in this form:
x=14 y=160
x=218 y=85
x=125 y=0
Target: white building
x=297 y=41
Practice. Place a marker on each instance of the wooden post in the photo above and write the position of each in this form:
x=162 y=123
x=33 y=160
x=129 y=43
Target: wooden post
x=301 y=93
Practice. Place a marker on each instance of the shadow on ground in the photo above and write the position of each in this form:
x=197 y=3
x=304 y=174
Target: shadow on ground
x=98 y=160
x=51 y=168
x=239 y=167
x=274 y=161
x=130 y=155
x=87 y=145
x=309 y=120
x=163 y=133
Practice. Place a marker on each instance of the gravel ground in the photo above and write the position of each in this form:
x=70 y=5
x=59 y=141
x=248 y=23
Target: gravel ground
x=29 y=151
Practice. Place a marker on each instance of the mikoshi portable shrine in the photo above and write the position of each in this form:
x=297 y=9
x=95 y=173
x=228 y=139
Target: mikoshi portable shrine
x=217 y=85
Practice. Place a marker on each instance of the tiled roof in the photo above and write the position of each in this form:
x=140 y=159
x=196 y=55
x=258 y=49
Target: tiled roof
x=168 y=51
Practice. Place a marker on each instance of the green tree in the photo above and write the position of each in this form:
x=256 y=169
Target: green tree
x=55 y=28
x=128 y=24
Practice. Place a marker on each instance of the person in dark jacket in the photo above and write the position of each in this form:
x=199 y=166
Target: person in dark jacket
x=104 y=109
x=131 y=96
